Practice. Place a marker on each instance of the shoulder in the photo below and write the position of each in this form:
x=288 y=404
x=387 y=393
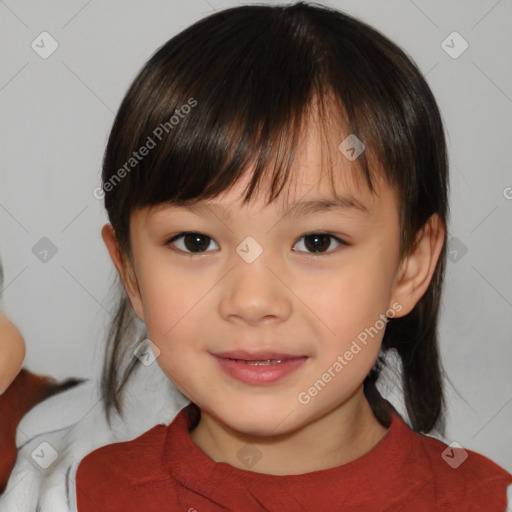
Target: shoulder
x=457 y=473
x=127 y=463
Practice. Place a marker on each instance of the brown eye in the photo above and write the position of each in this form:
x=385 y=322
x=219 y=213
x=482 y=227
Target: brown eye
x=191 y=242
x=318 y=243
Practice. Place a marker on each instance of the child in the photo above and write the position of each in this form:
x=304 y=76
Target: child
x=12 y=347
x=275 y=338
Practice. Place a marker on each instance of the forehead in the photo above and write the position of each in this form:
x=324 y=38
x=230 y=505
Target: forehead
x=320 y=173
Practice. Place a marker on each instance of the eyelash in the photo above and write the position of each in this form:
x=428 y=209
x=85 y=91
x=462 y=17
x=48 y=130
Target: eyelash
x=330 y=235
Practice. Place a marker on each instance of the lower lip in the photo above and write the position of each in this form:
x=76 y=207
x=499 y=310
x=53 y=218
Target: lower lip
x=259 y=374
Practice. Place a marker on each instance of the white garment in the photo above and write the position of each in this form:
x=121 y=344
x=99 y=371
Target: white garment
x=58 y=432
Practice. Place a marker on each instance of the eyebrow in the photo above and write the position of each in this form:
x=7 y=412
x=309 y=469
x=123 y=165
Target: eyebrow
x=303 y=208
x=299 y=209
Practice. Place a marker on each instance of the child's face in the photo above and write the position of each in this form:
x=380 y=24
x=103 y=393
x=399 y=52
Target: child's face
x=327 y=308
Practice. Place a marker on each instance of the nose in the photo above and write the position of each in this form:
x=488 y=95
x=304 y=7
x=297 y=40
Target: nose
x=255 y=293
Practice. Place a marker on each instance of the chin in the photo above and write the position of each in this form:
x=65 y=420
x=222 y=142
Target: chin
x=257 y=428
x=261 y=423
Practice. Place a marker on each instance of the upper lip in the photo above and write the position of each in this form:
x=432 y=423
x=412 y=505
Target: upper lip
x=259 y=355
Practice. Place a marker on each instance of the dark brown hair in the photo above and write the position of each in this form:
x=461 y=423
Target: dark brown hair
x=249 y=75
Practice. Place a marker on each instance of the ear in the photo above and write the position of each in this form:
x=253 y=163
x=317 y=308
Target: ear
x=124 y=268
x=416 y=270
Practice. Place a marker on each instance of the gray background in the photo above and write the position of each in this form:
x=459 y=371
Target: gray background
x=56 y=114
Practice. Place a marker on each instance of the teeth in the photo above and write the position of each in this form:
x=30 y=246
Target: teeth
x=261 y=363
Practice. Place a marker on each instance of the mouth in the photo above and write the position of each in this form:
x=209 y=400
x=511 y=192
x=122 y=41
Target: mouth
x=258 y=367
x=266 y=362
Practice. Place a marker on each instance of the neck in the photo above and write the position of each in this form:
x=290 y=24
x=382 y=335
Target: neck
x=341 y=435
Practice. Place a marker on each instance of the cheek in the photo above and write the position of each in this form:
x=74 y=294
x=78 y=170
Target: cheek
x=351 y=305
x=170 y=302
x=177 y=312
x=355 y=298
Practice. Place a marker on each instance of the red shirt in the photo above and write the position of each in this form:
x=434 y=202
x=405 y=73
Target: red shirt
x=163 y=470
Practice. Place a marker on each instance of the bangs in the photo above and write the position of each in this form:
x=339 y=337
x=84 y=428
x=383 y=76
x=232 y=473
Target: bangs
x=204 y=159
x=235 y=90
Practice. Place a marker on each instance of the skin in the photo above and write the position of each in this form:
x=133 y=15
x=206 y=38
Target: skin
x=288 y=300
x=12 y=350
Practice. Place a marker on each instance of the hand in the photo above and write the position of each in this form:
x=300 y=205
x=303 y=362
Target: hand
x=12 y=352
